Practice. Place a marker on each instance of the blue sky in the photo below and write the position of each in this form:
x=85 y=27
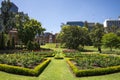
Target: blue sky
x=51 y=13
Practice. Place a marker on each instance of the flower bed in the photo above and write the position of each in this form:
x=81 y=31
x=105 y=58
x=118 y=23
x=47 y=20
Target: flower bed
x=26 y=60
x=25 y=71
x=94 y=64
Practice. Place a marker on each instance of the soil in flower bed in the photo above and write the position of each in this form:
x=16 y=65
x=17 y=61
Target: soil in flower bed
x=31 y=66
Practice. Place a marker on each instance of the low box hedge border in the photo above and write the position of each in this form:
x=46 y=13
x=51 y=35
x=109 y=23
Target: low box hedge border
x=25 y=71
x=92 y=72
x=59 y=56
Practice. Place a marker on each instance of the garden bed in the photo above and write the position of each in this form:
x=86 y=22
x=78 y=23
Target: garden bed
x=26 y=60
x=94 y=64
x=25 y=71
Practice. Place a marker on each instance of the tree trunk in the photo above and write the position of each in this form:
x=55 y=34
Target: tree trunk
x=99 y=49
x=110 y=48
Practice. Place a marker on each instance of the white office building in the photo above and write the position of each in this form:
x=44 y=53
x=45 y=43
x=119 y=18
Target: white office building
x=110 y=23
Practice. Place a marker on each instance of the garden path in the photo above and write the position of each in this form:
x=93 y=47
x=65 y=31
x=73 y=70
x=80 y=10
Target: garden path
x=57 y=70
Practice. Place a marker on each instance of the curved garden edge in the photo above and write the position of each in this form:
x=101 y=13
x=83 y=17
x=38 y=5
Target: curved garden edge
x=25 y=71
x=92 y=72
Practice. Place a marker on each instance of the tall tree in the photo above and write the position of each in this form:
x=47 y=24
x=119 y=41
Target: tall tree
x=111 y=40
x=29 y=30
x=96 y=36
x=2 y=43
x=112 y=29
x=72 y=36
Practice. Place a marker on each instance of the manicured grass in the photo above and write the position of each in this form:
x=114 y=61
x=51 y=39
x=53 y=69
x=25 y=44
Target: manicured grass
x=52 y=46
x=7 y=76
x=57 y=70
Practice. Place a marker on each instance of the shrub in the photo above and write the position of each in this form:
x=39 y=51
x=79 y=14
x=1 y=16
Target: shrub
x=30 y=45
x=13 y=43
x=36 y=46
x=41 y=67
x=25 y=71
x=33 y=45
x=59 y=56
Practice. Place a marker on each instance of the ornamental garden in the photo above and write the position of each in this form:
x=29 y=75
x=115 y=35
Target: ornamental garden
x=24 y=51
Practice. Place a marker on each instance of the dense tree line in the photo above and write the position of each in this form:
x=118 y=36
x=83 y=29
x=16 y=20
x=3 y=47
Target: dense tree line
x=74 y=36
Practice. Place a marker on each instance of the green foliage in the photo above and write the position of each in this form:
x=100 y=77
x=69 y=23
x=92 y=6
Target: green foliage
x=59 y=56
x=13 y=43
x=5 y=43
x=27 y=60
x=92 y=61
x=33 y=45
x=111 y=40
x=30 y=45
x=8 y=44
x=29 y=30
x=96 y=36
x=112 y=29
x=2 y=41
x=93 y=72
x=36 y=46
x=25 y=71
x=41 y=67
x=73 y=36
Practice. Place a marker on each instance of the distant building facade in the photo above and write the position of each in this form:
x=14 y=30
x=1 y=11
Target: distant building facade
x=110 y=23
x=13 y=8
x=49 y=37
x=75 y=23
x=91 y=25
x=14 y=34
x=46 y=37
x=81 y=24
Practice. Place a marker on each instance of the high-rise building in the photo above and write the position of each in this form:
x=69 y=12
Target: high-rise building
x=13 y=8
x=110 y=23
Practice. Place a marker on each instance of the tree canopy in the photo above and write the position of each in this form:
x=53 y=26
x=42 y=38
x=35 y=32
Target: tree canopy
x=29 y=30
x=96 y=35
x=72 y=36
x=111 y=40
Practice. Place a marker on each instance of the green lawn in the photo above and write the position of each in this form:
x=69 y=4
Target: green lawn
x=58 y=70
x=7 y=76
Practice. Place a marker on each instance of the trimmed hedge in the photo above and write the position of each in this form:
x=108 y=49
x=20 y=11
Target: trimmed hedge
x=59 y=56
x=25 y=71
x=92 y=72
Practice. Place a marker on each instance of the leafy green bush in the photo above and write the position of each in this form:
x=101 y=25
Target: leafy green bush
x=41 y=67
x=111 y=52
x=59 y=56
x=25 y=71
x=36 y=46
x=30 y=45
